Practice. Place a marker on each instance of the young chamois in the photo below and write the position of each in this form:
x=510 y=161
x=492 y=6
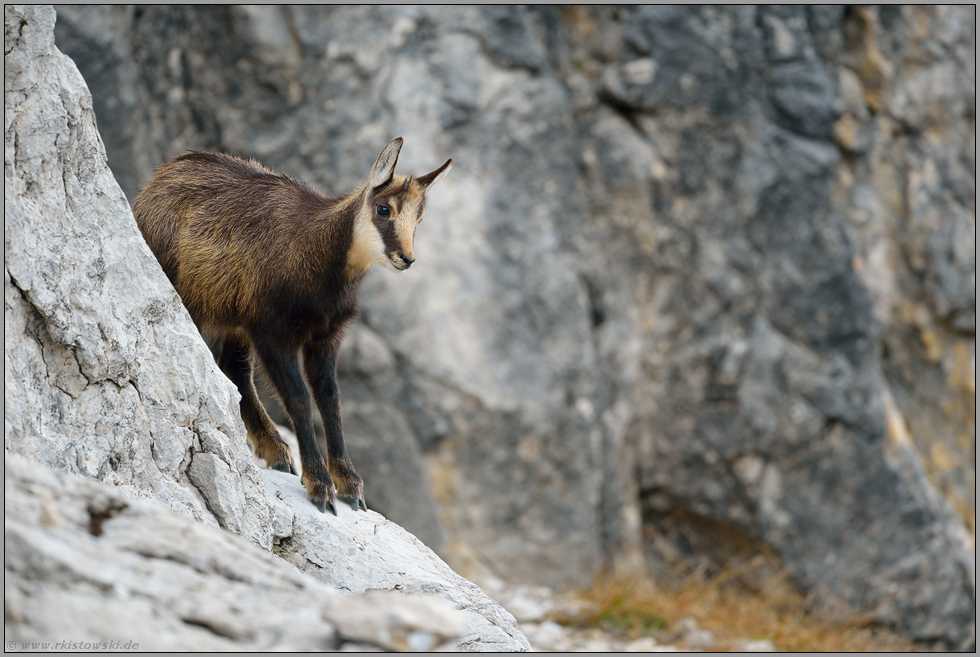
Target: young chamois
x=273 y=267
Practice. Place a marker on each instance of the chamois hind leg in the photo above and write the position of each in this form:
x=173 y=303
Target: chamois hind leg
x=282 y=366
x=320 y=363
x=236 y=362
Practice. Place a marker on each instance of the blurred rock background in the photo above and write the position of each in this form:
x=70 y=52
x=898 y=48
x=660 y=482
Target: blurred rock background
x=701 y=281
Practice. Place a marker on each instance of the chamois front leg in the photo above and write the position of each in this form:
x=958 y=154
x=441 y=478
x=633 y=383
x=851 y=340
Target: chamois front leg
x=320 y=362
x=236 y=362
x=282 y=365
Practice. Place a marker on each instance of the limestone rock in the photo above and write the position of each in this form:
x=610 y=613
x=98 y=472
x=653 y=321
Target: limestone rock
x=359 y=552
x=83 y=561
x=105 y=374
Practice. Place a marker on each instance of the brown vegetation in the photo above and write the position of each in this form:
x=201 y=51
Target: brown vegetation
x=731 y=609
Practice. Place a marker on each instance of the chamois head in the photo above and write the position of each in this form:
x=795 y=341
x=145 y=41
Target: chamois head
x=392 y=209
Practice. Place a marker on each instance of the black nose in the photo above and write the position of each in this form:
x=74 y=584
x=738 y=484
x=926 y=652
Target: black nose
x=408 y=261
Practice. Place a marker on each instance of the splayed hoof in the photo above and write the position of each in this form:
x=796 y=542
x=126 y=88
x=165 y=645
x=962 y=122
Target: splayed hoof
x=323 y=505
x=350 y=486
x=355 y=503
x=284 y=467
x=273 y=450
x=321 y=491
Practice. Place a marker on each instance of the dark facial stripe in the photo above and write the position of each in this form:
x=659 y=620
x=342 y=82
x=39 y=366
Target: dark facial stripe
x=389 y=236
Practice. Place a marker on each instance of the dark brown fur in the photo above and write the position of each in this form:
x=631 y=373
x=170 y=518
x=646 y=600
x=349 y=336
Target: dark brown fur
x=274 y=267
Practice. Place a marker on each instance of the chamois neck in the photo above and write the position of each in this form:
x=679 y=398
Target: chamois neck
x=365 y=245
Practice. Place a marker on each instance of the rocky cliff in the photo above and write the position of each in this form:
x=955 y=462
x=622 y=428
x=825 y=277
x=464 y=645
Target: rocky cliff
x=696 y=273
x=120 y=433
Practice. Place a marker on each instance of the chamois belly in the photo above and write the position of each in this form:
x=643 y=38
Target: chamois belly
x=222 y=304
x=300 y=321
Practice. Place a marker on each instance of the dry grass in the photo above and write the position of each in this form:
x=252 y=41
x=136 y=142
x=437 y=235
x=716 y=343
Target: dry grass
x=731 y=610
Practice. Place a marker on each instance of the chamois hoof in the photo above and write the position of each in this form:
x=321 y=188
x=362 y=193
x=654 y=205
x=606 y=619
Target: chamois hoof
x=355 y=503
x=320 y=491
x=285 y=467
x=323 y=505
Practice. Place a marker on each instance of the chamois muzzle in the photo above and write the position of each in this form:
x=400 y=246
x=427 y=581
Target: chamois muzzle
x=401 y=261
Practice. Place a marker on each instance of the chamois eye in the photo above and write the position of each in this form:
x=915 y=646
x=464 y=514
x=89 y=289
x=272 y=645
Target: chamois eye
x=384 y=211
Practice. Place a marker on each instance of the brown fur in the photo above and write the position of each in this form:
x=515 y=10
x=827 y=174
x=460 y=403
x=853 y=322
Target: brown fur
x=274 y=267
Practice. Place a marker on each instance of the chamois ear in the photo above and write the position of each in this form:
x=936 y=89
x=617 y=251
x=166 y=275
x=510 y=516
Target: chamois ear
x=384 y=168
x=433 y=177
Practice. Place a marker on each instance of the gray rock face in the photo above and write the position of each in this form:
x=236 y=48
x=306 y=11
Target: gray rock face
x=84 y=561
x=709 y=262
x=907 y=188
x=106 y=377
x=93 y=332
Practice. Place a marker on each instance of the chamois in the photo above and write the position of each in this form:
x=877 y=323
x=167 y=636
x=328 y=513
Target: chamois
x=274 y=267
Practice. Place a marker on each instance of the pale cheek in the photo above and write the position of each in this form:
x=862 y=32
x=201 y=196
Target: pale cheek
x=387 y=264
